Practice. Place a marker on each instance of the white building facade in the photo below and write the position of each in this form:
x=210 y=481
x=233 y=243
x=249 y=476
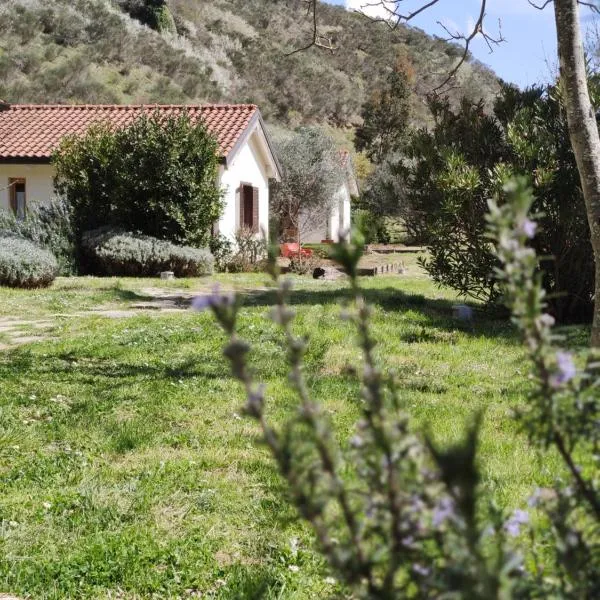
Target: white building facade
x=339 y=216
x=30 y=133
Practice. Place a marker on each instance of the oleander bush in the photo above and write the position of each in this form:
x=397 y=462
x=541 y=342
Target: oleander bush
x=304 y=265
x=452 y=170
x=25 y=265
x=108 y=251
x=221 y=247
x=250 y=252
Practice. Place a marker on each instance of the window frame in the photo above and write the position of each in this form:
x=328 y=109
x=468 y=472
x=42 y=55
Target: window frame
x=12 y=195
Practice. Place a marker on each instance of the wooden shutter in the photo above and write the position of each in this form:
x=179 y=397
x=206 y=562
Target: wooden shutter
x=255 y=209
x=12 y=192
x=240 y=203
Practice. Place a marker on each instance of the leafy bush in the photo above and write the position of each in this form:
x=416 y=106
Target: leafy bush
x=465 y=160
x=113 y=252
x=48 y=226
x=158 y=176
x=25 y=265
x=371 y=225
x=221 y=248
x=250 y=252
x=153 y=13
x=304 y=265
x=413 y=520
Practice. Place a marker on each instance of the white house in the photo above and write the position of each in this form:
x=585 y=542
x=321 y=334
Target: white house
x=339 y=217
x=29 y=133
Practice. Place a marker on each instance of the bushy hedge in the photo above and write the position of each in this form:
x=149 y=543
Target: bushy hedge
x=25 y=265
x=116 y=252
x=158 y=176
x=47 y=225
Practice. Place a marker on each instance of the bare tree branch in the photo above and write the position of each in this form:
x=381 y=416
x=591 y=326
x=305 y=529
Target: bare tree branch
x=318 y=40
x=540 y=6
x=395 y=16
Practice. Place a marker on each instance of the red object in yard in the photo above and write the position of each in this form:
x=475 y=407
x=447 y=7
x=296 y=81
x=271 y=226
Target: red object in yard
x=294 y=249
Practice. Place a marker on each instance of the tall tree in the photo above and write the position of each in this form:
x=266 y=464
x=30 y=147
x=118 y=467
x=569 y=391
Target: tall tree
x=385 y=116
x=583 y=128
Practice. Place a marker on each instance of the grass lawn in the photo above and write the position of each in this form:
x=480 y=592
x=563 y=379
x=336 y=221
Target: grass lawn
x=126 y=470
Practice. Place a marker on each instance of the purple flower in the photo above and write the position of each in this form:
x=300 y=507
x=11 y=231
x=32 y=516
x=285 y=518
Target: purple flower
x=217 y=298
x=357 y=441
x=529 y=227
x=534 y=499
x=443 y=512
x=513 y=525
x=201 y=303
x=546 y=320
x=565 y=369
x=420 y=570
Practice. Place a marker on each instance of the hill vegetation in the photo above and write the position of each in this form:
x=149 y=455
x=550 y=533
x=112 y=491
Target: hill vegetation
x=100 y=51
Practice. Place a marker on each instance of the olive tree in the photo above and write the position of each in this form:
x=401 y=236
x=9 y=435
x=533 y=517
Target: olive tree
x=312 y=174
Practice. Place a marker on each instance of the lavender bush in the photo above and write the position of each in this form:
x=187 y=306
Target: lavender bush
x=398 y=516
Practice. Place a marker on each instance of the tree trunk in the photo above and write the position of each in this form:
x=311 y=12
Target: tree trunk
x=583 y=129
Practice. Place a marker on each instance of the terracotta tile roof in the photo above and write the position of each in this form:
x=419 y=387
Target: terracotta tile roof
x=33 y=131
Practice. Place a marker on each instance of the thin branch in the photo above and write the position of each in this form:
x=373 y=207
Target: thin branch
x=396 y=17
x=540 y=6
x=318 y=40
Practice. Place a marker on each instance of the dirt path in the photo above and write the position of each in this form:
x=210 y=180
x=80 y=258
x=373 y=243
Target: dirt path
x=16 y=332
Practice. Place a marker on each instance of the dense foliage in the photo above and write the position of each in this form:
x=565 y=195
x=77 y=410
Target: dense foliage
x=25 y=265
x=414 y=522
x=312 y=174
x=157 y=176
x=154 y=13
x=113 y=252
x=47 y=225
x=386 y=116
x=89 y=51
x=465 y=159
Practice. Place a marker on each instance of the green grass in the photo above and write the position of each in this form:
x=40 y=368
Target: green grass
x=127 y=472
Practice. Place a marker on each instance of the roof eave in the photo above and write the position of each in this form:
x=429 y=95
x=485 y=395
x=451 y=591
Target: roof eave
x=256 y=119
x=25 y=160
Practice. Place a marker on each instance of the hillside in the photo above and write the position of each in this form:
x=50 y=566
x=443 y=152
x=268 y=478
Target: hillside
x=92 y=51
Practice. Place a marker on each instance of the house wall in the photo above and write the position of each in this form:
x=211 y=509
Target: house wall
x=247 y=167
x=38 y=182
x=339 y=217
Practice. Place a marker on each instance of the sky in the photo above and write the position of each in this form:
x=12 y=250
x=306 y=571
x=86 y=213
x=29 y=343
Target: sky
x=528 y=55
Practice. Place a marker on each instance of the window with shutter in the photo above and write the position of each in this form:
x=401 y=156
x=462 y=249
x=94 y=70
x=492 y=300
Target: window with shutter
x=247 y=210
x=17 y=196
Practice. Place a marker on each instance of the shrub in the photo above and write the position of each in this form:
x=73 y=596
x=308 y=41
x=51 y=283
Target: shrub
x=221 y=248
x=251 y=251
x=114 y=252
x=48 y=226
x=158 y=176
x=303 y=265
x=465 y=160
x=25 y=265
x=371 y=225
